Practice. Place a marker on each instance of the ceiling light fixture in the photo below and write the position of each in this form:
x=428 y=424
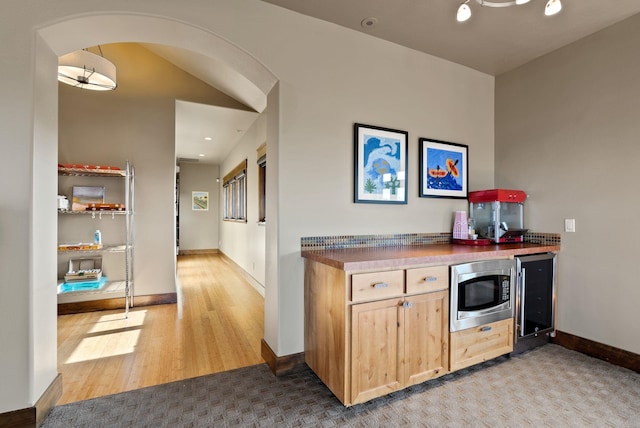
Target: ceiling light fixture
x=464 y=11
x=552 y=7
x=86 y=70
x=369 y=22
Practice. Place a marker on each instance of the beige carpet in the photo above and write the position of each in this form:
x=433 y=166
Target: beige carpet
x=547 y=387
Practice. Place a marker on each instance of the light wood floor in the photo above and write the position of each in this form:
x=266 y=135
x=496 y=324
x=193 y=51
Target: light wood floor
x=217 y=325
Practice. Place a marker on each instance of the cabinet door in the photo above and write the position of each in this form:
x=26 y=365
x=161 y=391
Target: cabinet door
x=426 y=336
x=376 y=344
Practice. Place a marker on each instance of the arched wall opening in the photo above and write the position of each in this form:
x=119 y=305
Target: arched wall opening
x=80 y=32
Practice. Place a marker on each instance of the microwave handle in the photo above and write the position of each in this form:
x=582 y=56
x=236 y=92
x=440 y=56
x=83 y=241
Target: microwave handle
x=523 y=278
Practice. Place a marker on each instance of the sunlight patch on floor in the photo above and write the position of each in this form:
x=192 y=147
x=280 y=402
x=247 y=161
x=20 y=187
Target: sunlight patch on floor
x=112 y=335
x=118 y=321
x=105 y=346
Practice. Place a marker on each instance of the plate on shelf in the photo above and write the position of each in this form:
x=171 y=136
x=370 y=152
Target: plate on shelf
x=79 y=169
x=79 y=247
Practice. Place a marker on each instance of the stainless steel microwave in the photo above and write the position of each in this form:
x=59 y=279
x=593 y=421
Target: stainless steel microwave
x=481 y=292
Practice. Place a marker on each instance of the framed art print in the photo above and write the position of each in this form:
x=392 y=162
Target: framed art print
x=444 y=169
x=83 y=196
x=199 y=201
x=380 y=174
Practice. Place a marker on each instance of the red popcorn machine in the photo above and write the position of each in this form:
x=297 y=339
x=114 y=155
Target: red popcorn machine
x=498 y=214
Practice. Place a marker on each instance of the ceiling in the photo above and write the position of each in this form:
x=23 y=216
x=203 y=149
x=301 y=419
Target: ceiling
x=222 y=127
x=493 y=41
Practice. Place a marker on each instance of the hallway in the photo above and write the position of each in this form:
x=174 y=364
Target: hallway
x=216 y=325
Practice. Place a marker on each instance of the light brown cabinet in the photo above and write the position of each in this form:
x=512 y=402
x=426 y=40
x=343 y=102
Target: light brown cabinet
x=478 y=344
x=377 y=320
x=376 y=349
x=369 y=334
x=426 y=337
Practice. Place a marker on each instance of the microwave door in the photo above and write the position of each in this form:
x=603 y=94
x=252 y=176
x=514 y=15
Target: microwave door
x=479 y=294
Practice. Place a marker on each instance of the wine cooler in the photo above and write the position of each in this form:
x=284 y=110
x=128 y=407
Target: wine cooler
x=535 y=300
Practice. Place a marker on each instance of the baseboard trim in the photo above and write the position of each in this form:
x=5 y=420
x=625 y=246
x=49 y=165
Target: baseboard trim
x=48 y=399
x=156 y=299
x=617 y=356
x=23 y=418
x=244 y=274
x=32 y=417
x=281 y=365
x=111 y=304
x=198 y=252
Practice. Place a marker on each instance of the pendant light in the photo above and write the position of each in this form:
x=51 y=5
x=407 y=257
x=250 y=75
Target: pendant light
x=86 y=70
x=464 y=11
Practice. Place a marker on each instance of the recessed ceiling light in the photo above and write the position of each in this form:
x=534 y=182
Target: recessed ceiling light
x=201 y=155
x=208 y=138
x=369 y=22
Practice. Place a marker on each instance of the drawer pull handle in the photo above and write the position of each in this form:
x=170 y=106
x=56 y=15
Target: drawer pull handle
x=380 y=285
x=431 y=279
x=486 y=328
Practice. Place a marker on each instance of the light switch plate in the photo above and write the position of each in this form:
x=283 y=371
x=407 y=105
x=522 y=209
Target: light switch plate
x=569 y=224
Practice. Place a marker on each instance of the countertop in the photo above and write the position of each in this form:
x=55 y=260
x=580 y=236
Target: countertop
x=362 y=259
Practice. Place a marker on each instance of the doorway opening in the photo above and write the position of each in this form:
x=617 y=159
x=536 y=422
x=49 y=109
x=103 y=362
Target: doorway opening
x=145 y=235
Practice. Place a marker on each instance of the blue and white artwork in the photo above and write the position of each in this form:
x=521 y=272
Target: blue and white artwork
x=381 y=166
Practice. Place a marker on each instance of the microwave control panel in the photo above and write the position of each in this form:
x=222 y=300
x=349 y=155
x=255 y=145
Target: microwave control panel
x=505 y=290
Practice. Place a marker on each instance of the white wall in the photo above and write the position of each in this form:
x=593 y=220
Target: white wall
x=329 y=78
x=42 y=331
x=136 y=122
x=199 y=228
x=567 y=132
x=244 y=242
x=27 y=327
x=139 y=130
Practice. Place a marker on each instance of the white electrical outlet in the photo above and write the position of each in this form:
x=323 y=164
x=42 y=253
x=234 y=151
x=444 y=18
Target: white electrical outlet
x=569 y=224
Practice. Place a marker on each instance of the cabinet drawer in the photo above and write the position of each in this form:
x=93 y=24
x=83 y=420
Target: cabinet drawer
x=376 y=285
x=478 y=344
x=434 y=278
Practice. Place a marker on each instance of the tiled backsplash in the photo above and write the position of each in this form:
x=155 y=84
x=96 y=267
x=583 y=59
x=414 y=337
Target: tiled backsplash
x=542 y=238
x=401 y=240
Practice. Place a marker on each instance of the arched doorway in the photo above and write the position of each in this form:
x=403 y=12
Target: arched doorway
x=252 y=81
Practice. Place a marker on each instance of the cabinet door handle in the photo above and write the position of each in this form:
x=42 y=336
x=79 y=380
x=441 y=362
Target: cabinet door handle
x=407 y=305
x=380 y=285
x=431 y=279
x=486 y=328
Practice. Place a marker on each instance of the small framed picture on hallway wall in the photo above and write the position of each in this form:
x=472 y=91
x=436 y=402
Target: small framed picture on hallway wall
x=199 y=201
